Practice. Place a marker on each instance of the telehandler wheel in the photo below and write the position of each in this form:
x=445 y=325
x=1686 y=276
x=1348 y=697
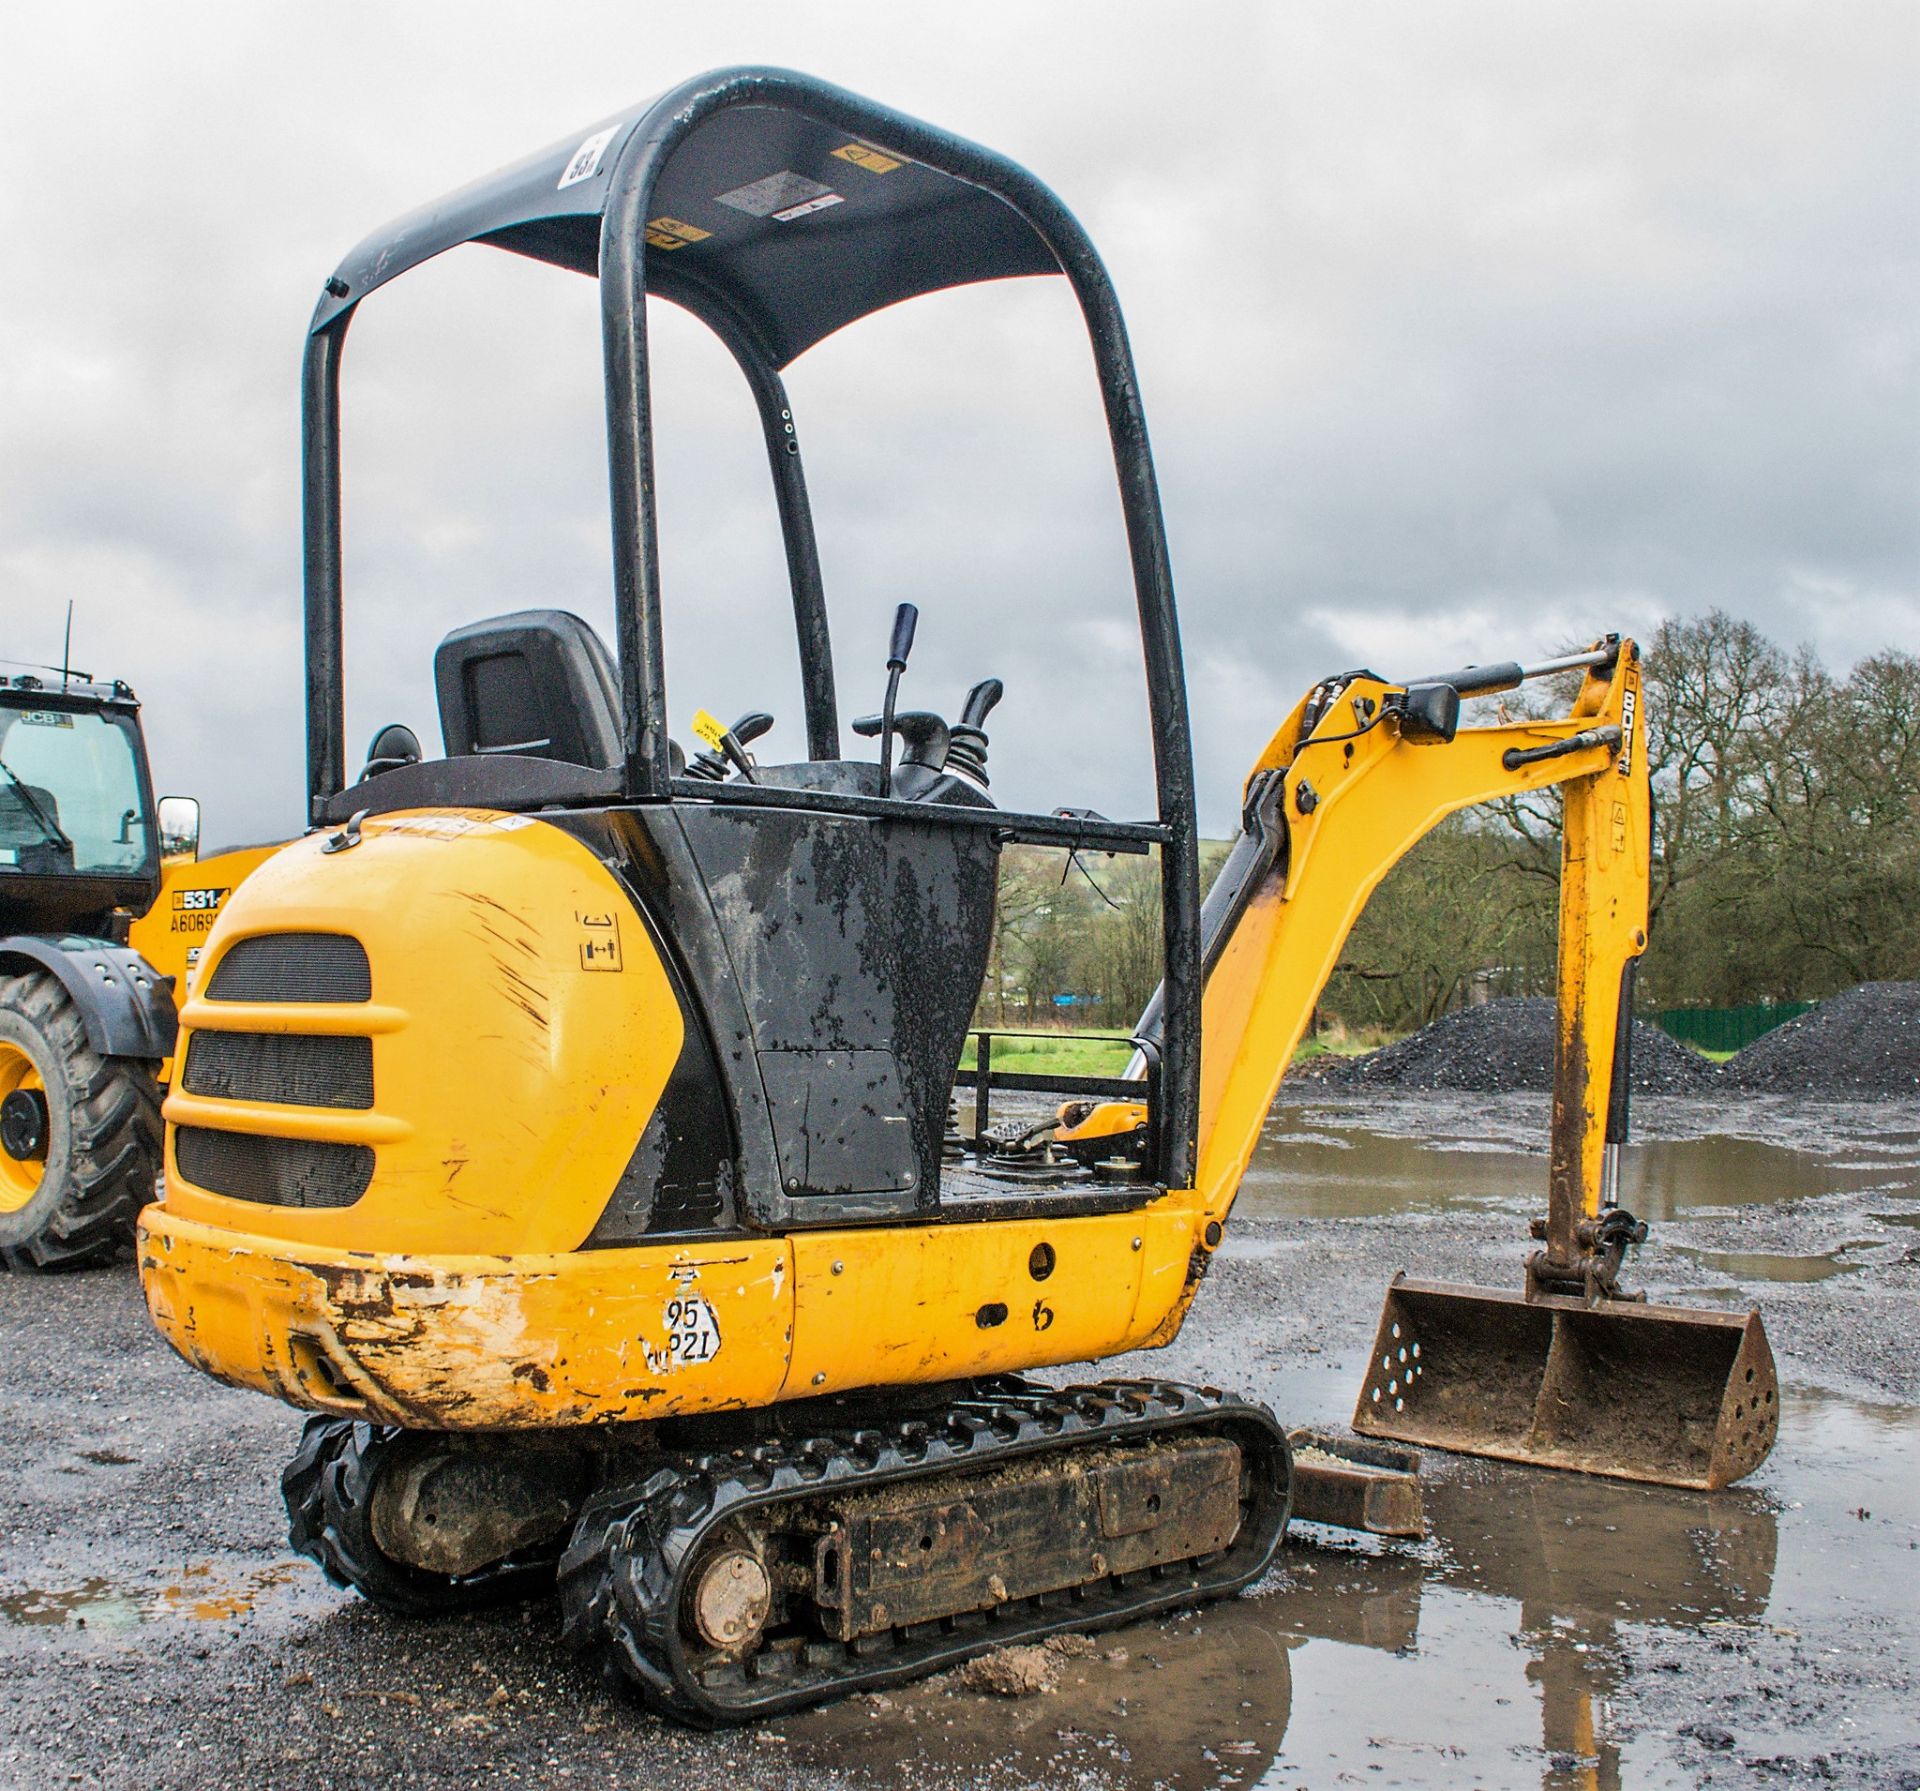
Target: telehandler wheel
x=80 y=1134
x=329 y=1488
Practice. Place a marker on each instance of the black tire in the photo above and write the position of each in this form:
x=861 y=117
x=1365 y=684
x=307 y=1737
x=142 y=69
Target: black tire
x=329 y=1486
x=104 y=1136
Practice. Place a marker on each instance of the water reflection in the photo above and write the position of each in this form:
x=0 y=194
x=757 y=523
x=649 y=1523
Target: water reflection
x=1548 y=1565
x=1578 y=1557
x=100 y=1603
x=1330 y=1157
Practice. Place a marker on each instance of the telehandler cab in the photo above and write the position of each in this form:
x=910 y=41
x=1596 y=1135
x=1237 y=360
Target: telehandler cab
x=87 y=990
x=580 y=1154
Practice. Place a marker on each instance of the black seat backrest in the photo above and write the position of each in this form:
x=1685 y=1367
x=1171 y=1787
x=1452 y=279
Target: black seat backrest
x=539 y=684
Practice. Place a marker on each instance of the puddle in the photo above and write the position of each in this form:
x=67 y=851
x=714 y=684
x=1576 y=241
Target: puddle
x=1763 y=1265
x=1503 y=1650
x=1334 y=1158
x=199 y=1594
x=1492 y=1653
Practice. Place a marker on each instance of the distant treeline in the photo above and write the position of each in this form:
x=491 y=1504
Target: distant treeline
x=1786 y=863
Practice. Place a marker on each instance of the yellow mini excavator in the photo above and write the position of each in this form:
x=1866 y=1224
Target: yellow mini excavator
x=564 y=1120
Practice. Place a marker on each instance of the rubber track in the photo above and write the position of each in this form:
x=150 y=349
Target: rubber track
x=114 y=1130
x=328 y=1488
x=623 y=1578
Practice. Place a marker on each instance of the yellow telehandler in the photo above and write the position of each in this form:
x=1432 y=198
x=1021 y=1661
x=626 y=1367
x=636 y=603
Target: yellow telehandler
x=103 y=908
x=564 y=1120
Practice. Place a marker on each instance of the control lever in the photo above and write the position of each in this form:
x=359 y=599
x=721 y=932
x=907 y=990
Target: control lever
x=924 y=737
x=728 y=748
x=904 y=620
x=967 y=753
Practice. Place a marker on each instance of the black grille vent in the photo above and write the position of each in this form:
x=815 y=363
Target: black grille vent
x=293 y=967
x=273 y=1171
x=290 y=1068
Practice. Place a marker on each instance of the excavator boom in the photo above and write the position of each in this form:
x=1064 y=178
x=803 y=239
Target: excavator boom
x=1570 y=1371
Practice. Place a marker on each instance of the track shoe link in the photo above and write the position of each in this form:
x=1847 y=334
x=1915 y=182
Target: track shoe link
x=741 y=1583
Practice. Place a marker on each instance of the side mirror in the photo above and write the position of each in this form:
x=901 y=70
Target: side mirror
x=179 y=828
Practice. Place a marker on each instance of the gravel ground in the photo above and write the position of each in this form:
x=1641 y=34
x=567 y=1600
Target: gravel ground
x=1504 y=1047
x=1859 y=1045
x=155 y=1633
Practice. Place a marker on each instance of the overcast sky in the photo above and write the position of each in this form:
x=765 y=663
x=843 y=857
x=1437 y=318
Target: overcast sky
x=1465 y=332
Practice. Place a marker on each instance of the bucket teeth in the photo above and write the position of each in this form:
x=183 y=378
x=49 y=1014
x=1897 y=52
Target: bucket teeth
x=1639 y=1392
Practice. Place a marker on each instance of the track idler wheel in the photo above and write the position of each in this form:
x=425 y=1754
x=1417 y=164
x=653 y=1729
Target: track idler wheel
x=333 y=1490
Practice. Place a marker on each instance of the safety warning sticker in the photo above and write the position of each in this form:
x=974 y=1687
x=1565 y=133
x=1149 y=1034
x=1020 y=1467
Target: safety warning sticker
x=709 y=727
x=671 y=233
x=782 y=197
x=864 y=155
x=599 y=941
x=584 y=163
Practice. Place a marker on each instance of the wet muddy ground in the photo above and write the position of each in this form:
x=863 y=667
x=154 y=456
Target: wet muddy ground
x=1553 y=1632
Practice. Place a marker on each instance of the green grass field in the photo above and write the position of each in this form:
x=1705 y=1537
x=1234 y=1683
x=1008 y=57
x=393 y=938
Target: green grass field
x=1057 y=1054
x=1065 y=1053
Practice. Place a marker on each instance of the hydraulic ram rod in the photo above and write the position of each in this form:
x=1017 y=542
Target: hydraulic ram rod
x=1510 y=674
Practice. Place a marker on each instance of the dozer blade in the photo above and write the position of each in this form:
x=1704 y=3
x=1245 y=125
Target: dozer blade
x=1639 y=1392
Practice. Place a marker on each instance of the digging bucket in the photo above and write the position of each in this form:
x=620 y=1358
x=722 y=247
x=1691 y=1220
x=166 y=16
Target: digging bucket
x=1656 y=1393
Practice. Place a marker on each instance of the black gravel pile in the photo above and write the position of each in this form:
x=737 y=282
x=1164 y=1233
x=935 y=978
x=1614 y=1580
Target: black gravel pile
x=1853 y=1046
x=1506 y=1047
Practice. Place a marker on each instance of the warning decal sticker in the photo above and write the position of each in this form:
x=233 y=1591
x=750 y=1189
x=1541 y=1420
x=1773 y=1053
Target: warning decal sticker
x=782 y=197
x=599 y=941
x=864 y=155
x=670 y=233
x=584 y=163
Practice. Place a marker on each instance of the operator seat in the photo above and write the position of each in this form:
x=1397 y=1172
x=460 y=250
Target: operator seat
x=538 y=684
x=25 y=811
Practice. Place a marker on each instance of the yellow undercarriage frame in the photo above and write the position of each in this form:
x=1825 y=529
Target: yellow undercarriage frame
x=611 y=1336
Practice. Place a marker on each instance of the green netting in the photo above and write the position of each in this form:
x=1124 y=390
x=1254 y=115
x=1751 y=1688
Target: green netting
x=1727 y=1028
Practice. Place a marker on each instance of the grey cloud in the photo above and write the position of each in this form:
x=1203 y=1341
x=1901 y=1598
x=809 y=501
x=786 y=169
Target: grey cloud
x=1463 y=331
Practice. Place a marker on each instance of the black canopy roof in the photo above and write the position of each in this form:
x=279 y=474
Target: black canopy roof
x=764 y=218
x=777 y=208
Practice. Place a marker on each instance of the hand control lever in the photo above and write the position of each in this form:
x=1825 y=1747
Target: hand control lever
x=967 y=752
x=923 y=735
x=729 y=749
x=904 y=620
